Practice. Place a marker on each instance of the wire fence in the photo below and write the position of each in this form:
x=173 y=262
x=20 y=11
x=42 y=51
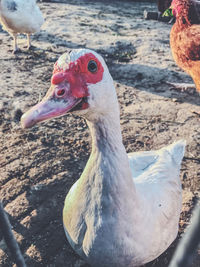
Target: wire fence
x=9 y=238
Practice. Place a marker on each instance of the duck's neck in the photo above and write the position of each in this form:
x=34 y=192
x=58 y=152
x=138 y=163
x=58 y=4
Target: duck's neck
x=106 y=135
x=108 y=165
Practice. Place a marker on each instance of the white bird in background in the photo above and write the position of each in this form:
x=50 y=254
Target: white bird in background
x=125 y=208
x=20 y=16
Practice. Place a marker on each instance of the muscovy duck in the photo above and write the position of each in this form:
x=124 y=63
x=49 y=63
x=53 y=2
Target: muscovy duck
x=124 y=210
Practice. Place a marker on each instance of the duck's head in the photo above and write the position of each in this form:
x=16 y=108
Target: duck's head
x=81 y=83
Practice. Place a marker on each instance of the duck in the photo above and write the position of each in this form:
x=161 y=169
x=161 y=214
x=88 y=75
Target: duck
x=124 y=209
x=20 y=16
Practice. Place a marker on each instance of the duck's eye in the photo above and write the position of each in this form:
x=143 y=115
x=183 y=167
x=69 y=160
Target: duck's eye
x=60 y=92
x=92 y=66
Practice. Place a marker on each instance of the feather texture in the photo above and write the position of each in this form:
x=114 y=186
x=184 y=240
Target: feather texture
x=20 y=16
x=185 y=39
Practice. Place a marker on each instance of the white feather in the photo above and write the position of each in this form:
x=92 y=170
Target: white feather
x=20 y=16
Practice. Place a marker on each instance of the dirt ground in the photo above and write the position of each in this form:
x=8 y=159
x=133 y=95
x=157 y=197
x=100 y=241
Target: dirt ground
x=38 y=166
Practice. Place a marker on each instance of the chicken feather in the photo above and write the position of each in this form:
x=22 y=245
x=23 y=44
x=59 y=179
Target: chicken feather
x=185 y=39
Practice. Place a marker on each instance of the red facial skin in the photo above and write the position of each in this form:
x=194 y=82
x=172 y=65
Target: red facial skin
x=69 y=87
x=78 y=75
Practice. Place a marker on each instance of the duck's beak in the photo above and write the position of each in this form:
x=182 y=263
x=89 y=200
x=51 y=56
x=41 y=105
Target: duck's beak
x=58 y=101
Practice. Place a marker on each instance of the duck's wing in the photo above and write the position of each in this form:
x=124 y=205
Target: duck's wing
x=141 y=162
x=159 y=185
x=158 y=188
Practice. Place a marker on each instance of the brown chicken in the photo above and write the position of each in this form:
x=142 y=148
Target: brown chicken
x=185 y=38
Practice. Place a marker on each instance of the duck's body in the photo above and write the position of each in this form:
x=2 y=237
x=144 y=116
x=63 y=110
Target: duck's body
x=20 y=16
x=124 y=209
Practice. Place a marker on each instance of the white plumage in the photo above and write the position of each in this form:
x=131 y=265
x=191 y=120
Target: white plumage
x=20 y=16
x=124 y=209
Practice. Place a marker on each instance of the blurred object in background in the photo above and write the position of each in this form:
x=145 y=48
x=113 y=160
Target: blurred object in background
x=9 y=238
x=194 y=12
x=184 y=254
x=163 y=5
x=164 y=14
x=20 y=16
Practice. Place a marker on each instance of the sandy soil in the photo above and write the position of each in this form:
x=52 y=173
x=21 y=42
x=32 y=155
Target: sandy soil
x=38 y=166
